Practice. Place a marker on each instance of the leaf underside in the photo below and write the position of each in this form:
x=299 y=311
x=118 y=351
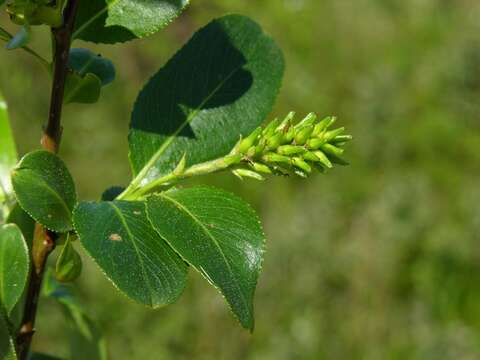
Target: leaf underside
x=219 y=235
x=132 y=255
x=220 y=85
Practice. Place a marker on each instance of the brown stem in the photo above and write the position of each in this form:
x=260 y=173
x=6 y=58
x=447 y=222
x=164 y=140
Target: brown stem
x=44 y=240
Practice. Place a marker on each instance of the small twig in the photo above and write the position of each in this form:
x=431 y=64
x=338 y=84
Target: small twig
x=44 y=240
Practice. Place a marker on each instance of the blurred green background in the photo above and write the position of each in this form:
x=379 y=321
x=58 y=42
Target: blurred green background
x=377 y=260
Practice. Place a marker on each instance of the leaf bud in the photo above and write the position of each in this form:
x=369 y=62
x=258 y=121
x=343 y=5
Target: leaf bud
x=69 y=264
x=180 y=169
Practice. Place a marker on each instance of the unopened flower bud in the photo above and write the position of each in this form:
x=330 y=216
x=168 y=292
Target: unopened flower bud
x=275 y=158
x=285 y=125
x=332 y=150
x=270 y=128
x=307 y=122
x=323 y=125
x=274 y=141
x=290 y=149
x=303 y=135
x=250 y=140
x=232 y=159
x=330 y=135
x=302 y=164
x=315 y=143
x=342 y=139
x=261 y=168
x=241 y=173
x=324 y=160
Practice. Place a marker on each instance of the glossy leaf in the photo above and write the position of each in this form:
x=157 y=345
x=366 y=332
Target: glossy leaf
x=14 y=266
x=45 y=189
x=86 y=338
x=8 y=153
x=219 y=235
x=137 y=260
x=219 y=86
x=84 y=61
x=112 y=21
x=82 y=89
x=7 y=347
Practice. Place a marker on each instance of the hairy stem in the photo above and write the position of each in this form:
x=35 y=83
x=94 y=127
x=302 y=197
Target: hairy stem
x=44 y=240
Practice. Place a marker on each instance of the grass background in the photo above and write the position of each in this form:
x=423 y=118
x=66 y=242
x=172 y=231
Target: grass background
x=378 y=260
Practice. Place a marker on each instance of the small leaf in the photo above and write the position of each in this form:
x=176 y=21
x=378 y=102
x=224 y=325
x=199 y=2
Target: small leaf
x=220 y=85
x=20 y=39
x=219 y=235
x=86 y=338
x=69 y=263
x=45 y=190
x=84 y=61
x=112 y=21
x=7 y=347
x=83 y=90
x=139 y=262
x=14 y=266
x=8 y=153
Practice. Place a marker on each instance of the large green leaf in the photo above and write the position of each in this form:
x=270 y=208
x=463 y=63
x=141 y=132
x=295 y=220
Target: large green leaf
x=14 y=266
x=220 y=85
x=218 y=234
x=83 y=90
x=45 y=189
x=7 y=347
x=8 y=153
x=112 y=21
x=86 y=338
x=139 y=262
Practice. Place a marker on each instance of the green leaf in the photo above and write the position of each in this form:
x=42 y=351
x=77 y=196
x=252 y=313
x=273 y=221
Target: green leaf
x=219 y=235
x=14 y=266
x=7 y=347
x=84 y=61
x=86 y=338
x=19 y=217
x=220 y=85
x=83 y=90
x=45 y=190
x=132 y=255
x=8 y=153
x=112 y=21
x=69 y=263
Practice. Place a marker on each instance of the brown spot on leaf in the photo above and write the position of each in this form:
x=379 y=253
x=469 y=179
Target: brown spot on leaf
x=115 y=237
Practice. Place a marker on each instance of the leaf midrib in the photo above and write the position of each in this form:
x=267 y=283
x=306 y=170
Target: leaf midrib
x=138 y=179
x=120 y=215
x=217 y=245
